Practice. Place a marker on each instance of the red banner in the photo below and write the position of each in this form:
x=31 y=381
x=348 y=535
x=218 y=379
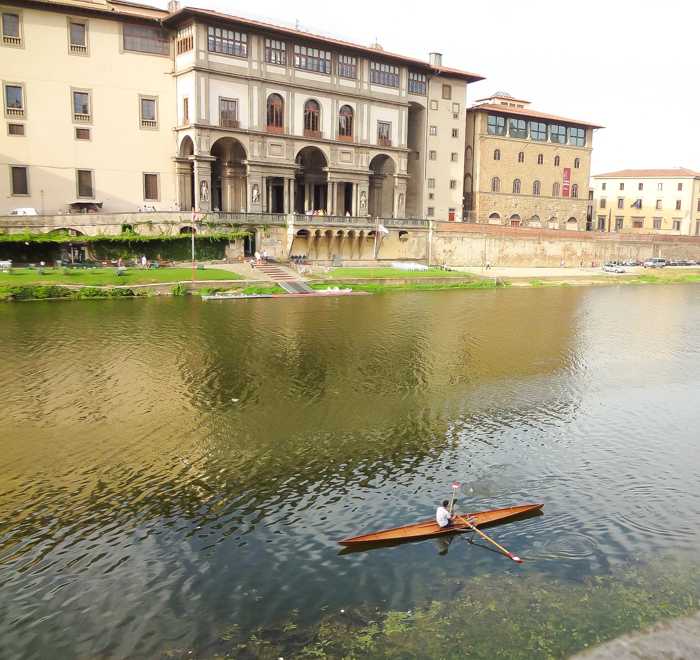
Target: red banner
x=567 y=182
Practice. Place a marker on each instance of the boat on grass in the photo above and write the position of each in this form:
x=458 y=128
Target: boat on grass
x=431 y=528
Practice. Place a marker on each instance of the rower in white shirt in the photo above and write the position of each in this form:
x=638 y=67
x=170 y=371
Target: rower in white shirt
x=442 y=516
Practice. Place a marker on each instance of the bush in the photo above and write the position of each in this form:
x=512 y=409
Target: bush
x=180 y=289
x=65 y=271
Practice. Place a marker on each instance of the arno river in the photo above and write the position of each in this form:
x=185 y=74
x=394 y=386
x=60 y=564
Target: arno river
x=142 y=509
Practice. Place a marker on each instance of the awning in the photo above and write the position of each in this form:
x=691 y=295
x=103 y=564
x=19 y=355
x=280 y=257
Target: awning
x=85 y=202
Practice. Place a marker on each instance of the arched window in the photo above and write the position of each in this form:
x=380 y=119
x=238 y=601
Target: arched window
x=347 y=117
x=555 y=190
x=536 y=188
x=521 y=157
x=574 y=190
x=556 y=161
x=312 y=116
x=497 y=154
x=577 y=163
x=495 y=185
x=540 y=159
x=275 y=113
x=516 y=187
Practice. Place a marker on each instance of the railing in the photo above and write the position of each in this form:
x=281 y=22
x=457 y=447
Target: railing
x=149 y=123
x=11 y=41
x=76 y=48
x=15 y=112
x=351 y=220
x=313 y=134
x=383 y=142
x=80 y=117
x=230 y=123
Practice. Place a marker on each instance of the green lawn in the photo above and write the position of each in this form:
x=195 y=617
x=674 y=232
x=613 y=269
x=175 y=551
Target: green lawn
x=107 y=276
x=339 y=273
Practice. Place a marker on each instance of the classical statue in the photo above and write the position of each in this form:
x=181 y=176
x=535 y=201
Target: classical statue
x=256 y=194
x=204 y=191
x=400 y=201
x=363 y=200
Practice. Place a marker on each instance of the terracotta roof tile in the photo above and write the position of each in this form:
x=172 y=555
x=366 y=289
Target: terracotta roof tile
x=651 y=174
x=526 y=112
x=465 y=75
x=103 y=8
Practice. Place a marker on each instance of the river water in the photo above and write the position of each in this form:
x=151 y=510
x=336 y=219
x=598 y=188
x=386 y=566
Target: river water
x=170 y=466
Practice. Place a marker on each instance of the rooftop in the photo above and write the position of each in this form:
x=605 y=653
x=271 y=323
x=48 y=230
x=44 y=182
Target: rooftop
x=534 y=114
x=674 y=173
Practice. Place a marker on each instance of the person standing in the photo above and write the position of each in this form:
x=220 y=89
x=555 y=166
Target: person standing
x=257 y=257
x=488 y=265
x=264 y=255
x=561 y=263
x=144 y=262
x=442 y=516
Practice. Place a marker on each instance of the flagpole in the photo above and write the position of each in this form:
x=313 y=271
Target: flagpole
x=374 y=254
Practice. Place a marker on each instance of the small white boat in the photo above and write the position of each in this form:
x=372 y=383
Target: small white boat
x=238 y=296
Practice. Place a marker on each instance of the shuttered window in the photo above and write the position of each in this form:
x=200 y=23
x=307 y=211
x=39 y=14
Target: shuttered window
x=85 y=183
x=150 y=186
x=19 y=181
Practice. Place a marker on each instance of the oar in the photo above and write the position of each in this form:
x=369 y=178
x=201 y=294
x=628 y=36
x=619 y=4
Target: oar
x=500 y=547
x=455 y=486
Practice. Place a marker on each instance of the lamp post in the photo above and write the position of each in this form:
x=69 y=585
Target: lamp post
x=41 y=192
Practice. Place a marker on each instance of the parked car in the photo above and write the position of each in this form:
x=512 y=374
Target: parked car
x=655 y=262
x=614 y=268
x=24 y=211
x=633 y=262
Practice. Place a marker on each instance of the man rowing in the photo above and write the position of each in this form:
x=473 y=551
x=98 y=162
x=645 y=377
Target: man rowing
x=442 y=516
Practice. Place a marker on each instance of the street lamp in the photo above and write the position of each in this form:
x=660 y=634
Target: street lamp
x=41 y=192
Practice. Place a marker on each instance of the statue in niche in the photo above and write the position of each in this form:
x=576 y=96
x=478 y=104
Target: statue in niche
x=363 y=200
x=256 y=194
x=203 y=191
x=400 y=201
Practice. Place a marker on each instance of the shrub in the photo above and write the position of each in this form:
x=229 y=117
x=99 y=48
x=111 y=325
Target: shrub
x=180 y=289
x=64 y=270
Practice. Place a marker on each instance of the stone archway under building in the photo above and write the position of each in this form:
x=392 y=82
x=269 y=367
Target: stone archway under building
x=229 y=189
x=185 y=174
x=381 y=186
x=311 y=181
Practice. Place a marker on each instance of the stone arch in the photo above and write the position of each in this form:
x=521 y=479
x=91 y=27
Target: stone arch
x=188 y=229
x=404 y=235
x=69 y=231
x=534 y=220
x=228 y=175
x=381 y=186
x=515 y=220
x=553 y=222
x=250 y=241
x=311 y=181
x=572 y=224
x=185 y=174
x=494 y=219
x=186 y=147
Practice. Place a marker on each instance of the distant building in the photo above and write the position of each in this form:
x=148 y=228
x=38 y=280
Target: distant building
x=526 y=168
x=648 y=202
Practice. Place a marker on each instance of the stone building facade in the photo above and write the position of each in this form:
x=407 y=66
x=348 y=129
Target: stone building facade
x=526 y=168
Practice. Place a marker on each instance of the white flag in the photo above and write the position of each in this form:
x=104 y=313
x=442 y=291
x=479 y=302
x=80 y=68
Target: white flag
x=383 y=229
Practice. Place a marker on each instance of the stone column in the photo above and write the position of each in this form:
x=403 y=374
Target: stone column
x=292 y=195
x=202 y=178
x=333 y=205
x=355 y=200
x=263 y=195
x=285 y=207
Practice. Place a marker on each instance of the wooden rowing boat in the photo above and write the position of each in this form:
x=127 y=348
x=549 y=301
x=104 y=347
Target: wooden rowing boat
x=431 y=528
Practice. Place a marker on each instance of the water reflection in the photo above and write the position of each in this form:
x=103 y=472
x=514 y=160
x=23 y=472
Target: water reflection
x=142 y=509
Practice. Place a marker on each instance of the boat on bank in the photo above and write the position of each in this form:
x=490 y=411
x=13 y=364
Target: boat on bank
x=431 y=528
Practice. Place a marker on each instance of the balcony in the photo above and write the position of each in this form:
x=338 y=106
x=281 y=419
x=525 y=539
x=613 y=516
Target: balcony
x=81 y=118
x=229 y=123
x=383 y=142
x=313 y=134
x=15 y=112
x=11 y=41
x=149 y=123
x=76 y=48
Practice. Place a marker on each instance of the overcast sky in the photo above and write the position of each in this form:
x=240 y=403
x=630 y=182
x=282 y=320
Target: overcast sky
x=621 y=64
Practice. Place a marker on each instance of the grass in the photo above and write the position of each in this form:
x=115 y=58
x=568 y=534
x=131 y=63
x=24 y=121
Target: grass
x=108 y=277
x=667 y=276
x=338 y=273
x=414 y=286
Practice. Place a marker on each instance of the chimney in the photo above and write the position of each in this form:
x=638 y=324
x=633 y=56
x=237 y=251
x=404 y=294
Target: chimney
x=173 y=6
x=436 y=59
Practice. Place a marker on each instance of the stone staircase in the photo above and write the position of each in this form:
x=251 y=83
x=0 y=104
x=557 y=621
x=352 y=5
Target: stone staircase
x=277 y=274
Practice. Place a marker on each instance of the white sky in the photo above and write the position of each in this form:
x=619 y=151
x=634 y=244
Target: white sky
x=626 y=65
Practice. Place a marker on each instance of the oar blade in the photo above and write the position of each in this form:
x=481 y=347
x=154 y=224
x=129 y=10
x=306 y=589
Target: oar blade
x=514 y=558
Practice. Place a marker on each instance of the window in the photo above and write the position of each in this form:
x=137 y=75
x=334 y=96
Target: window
x=536 y=188
x=416 y=83
x=518 y=128
x=312 y=118
x=637 y=204
x=77 y=34
x=658 y=204
x=574 y=190
x=81 y=107
x=638 y=224
x=384 y=74
x=660 y=186
x=150 y=187
x=680 y=186
x=604 y=186
x=149 y=118
x=620 y=203
x=431 y=195
x=453 y=184
x=228 y=113
x=15 y=129
x=432 y=155
x=275 y=113
x=146 y=40
x=577 y=164
x=678 y=205
x=618 y=222
x=495 y=185
x=640 y=187
x=85 y=183
x=431 y=183
x=347 y=116
x=433 y=104
x=557 y=134
x=557 y=161
x=455 y=132
x=676 y=225
x=555 y=190
x=82 y=133
x=185 y=111
x=657 y=223
x=521 y=157
x=540 y=159
x=18 y=180
x=538 y=131
x=496 y=125
x=603 y=203
x=347 y=67
x=622 y=186
x=14 y=101
x=312 y=59
x=497 y=154
x=516 y=187
x=454 y=157
x=11 y=35
x=430 y=211
x=384 y=134
x=275 y=52
x=227 y=42
x=447 y=92
x=185 y=40
x=433 y=130
x=699 y=205
x=577 y=137
x=601 y=223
